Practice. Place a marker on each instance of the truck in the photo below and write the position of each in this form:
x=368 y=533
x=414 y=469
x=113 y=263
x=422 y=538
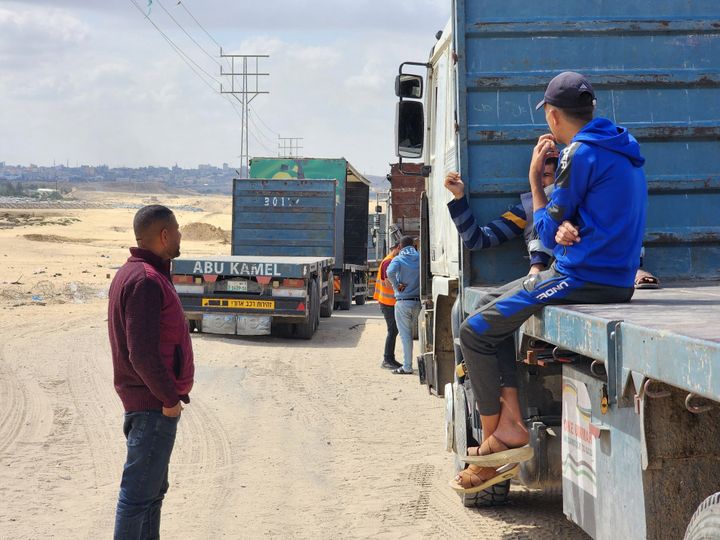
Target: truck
x=279 y=276
x=622 y=401
x=351 y=226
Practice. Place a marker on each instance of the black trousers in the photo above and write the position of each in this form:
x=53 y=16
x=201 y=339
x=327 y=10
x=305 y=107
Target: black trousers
x=392 y=331
x=486 y=336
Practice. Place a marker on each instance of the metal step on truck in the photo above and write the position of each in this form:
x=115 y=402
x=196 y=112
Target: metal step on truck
x=351 y=221
x=280 y=274
x=622 y=401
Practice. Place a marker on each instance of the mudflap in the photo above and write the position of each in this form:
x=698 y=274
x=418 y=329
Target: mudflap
x=544 y=470
x=449 y=417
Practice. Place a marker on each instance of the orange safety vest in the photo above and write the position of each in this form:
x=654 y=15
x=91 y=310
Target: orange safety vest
x=384 y=295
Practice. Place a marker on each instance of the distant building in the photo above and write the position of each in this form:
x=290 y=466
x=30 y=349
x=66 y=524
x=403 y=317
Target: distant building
x=45 y=193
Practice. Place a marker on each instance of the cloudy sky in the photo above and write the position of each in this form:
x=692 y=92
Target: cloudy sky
x=91 y=81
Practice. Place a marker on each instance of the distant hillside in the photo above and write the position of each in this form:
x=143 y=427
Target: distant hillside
x=378 y=183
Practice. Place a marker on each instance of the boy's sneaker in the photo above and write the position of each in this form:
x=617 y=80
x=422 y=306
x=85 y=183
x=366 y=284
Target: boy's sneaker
x=391 y=364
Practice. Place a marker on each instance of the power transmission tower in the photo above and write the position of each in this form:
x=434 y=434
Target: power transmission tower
x=289 y=147
x=244 y=77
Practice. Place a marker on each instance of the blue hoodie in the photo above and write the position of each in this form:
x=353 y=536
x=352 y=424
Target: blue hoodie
x=600 y=187
x=405 y=269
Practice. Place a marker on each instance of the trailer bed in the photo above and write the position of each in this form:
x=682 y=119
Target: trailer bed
x=670 y=335
x=667 y=310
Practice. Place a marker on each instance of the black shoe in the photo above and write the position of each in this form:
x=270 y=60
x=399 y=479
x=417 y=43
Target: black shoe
x=390 y=364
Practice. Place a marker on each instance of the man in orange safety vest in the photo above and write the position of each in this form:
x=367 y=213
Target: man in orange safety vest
x=385 y=295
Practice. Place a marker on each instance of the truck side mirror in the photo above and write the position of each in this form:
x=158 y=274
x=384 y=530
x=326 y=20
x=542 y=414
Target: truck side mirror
x=409 y=86
x=409 y=129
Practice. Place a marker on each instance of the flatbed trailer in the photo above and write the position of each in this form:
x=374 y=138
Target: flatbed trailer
x=280 y=274
x=249 y=295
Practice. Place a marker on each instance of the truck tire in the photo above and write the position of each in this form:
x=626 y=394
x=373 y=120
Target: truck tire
x=195 y=324
x=306 y=330
x=360 y=300
x=496 y=495
x=705 y=523
x=326 y=308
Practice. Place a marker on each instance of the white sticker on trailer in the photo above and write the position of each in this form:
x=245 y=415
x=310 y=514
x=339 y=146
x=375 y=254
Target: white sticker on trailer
x=578 y=443
x=237 y=286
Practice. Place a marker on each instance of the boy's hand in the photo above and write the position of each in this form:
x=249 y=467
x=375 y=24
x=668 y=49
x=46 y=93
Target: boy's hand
x=455 y=185
x=567 y=234
x=545 y=144
x=401 y=287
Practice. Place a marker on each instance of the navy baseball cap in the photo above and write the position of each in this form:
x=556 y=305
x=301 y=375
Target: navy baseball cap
x=569 y=90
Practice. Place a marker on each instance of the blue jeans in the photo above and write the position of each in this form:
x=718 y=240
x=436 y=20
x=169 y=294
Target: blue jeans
x=150 y=438
x=406 y=317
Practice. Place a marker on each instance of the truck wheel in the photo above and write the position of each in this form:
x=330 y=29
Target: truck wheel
x=326 y=308
x=705 y=523
x=496 y=495
x=195 y=324
x=305 y=330
x=360 y=300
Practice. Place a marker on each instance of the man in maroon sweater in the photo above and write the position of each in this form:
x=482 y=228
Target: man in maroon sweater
x=153 y=368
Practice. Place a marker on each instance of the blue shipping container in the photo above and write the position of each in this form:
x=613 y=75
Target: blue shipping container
x=655 y=66
x=293 y=218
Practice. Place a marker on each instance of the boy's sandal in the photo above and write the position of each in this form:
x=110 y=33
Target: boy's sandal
x=645 y=280
x=476 y=481
x=493 y=453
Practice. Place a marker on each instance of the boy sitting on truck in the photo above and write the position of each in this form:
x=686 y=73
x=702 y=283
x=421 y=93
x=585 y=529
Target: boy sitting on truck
x=594 y=221
x=516 y=221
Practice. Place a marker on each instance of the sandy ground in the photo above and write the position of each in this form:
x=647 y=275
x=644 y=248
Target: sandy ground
x=283 y=439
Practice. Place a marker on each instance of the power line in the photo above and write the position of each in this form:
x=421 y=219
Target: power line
x=198 y=23
x=246 y=92
x=258 y=130
x=201 y=27
x=271 y=152
x=263 y=122
x=187 y=34
x=178 y=50
x=183 y=56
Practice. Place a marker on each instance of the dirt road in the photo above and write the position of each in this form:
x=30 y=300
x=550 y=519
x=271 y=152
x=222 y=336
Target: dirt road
x=283 y=439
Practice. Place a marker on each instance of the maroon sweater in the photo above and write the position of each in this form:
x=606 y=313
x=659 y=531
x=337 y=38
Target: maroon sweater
x=149 y=337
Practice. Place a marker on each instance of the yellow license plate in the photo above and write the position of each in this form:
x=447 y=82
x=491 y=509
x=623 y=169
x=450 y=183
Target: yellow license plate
x=230 y=303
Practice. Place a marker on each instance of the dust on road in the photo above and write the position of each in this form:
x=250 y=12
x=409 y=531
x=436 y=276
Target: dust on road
x=283 y=438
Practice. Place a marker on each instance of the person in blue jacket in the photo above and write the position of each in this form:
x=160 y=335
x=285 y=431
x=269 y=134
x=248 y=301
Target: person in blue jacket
x=594 y=221
x=403 y=272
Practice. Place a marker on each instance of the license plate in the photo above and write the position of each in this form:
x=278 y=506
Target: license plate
x=237 y=286
x=229 y=303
